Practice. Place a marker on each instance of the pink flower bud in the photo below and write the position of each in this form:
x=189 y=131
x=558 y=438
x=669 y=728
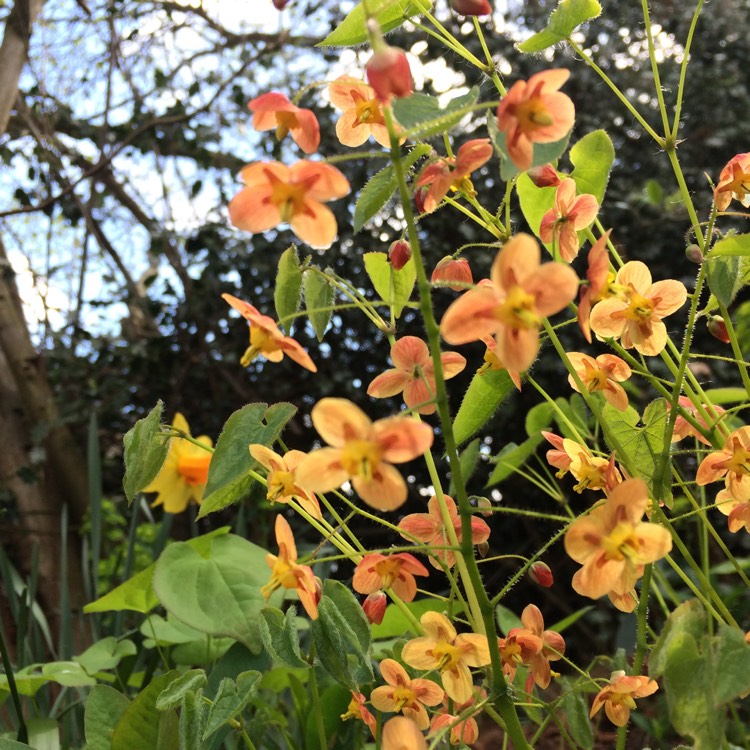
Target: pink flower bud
x=280 y=4
x=718 y=328
x=374 y=607
x=399 y=253
x=544 y=176
x=694 y=254
x=389 y=74
x=541 y=574
x=455 y=273
x=472 y=7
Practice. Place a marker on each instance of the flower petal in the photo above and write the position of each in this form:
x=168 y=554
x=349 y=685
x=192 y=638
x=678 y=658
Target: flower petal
x=338 y=420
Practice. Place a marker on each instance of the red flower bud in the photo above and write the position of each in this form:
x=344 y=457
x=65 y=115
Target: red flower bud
x=544 y=176
x=472 y=7
x=455 y=273
x=541 y=574
x=389 y=74
x=694 y=254
x=280 y=4
x=718 y=328
x=399 y=253
x=374 y=607
x=419 y=197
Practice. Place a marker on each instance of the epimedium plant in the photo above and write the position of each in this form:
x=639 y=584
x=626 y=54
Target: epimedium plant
x=235 y=662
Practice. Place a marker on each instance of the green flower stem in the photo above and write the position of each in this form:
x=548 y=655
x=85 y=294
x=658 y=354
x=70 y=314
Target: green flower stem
x=655 y=68
x=735 y=344
x=683 y=72
x=358 y=299
x=641 y=644
x=492 y=71
x=558 y=411
x=342 y=524
x=671 y=150
x=613 y=86
x=502 y=699
x=477 y=219
x=355 y=156
x=696 y=591
x=246 y=739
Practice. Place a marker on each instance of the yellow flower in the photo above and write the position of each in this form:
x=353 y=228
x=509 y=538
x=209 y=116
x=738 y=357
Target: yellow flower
x=183 y=475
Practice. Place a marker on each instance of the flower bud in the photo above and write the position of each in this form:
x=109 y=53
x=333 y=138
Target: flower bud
x=455 y=273
x=540 y=573
x=472 y=7
x=485 y=506
x=280 y=4
x=694 y=254
x=718 y=328
x=399 y=254
x=483 y=548
x=389 y=74
x=374 y=607
x=544 y=176
x=419 y=197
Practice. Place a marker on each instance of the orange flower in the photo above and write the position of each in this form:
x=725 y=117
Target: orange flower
x=363 y=451
x=637 y=321
x=429 y=529
x=452 y=173
x=266 y=339
x=286 y=573
x=618 y=698
x=455 y=273
x=732 y=462
x=493 y=362
x=734 y=182
x=561 y=224
x=184 y=473
x=736 y=506
x=534 y=111
x=414 y=374
x=363 y=114
x=538 y=646
x=376 y=571
x=450 y=653
x=400 y=733
x=683 y=428
x=462 y=731
x=522 y=293
x=274 y=111
x=357 y=710
x=404 y=695
x=614 y=544
x=603 y=374
x=276 y=194
x=597 y=276
x=281 y=483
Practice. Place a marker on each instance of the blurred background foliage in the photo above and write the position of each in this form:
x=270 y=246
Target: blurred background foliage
x=122 y=154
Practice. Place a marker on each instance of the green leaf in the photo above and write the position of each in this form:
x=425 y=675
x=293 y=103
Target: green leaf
x=544 y=153
x=562 y=625
x=334 y=701
x=342 y=636
x=568 y=15
x=286 y=293
x=539 y=418
x=512 y=457
x=254 y=423
x=735 y=244
x=145 y=451
x=193 y=716
x=104 y=708
x=44 y=734
x=720 y=396
x=421 y=115
x=105 y=654
x=279 y=634
x=143 y=726
x=217 y=592
x=382 y=275
x=230 y=700
x=318 y=301
x=395 y=622
x=173 y=695
x=390 y=14
x=486 y=392
x=67 y=673
x=643 y=444
x=576 y=711
x=137 y=593
x=468 y=459
x=381 y=186
x=726 y=276
x=507 y=619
